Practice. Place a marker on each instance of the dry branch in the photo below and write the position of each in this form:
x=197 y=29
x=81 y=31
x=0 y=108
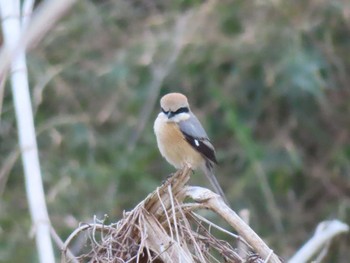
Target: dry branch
x=325 y=232
x=216 y=204
x=163 y=228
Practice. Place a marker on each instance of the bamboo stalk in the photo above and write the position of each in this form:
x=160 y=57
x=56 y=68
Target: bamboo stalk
x=27 y=10
x=11 y=24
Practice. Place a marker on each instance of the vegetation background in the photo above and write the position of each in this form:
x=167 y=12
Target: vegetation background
x=268 y=79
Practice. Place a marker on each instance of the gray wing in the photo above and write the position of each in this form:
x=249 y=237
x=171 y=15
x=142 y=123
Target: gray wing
x=193 y=127
x=196 y=136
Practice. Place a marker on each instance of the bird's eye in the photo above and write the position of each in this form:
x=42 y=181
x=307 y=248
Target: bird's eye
x=164 y=111
x=182 y=110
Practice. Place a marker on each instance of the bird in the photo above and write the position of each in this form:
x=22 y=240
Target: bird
x=182 y=140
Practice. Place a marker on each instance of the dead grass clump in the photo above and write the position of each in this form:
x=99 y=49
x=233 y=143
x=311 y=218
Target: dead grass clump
x=162 y=228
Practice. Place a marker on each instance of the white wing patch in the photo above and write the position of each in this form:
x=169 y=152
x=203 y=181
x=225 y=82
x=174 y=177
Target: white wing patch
x=196 y=142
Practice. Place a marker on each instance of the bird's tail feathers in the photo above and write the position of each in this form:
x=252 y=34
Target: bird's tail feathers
x=214 y=182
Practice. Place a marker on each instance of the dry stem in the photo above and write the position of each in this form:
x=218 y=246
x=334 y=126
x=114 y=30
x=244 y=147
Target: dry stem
x=164 y=229
x=325 y=232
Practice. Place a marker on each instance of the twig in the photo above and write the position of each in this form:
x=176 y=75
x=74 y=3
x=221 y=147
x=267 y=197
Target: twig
x=174 y=213
x=216 y=204
x=76 y=232
x=211 y=224
x=62 y=120
x=325 y=232
x=2 y=92
x=60 y=243
x=6 y=168
x=166 y=214
x=268 y=194
x=242 y=246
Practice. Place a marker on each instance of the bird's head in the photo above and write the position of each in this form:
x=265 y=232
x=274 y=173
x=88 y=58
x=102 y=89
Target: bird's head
x=174 y=105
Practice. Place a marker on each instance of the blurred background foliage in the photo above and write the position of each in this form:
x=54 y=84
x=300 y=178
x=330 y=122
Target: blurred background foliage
x=268 y=79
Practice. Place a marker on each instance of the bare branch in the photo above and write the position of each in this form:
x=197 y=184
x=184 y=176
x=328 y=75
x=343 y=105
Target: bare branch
x=6 y=168
x=325 y=232
x=215 y=203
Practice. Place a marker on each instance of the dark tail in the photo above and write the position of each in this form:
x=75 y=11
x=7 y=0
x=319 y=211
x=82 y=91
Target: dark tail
x=208 y=170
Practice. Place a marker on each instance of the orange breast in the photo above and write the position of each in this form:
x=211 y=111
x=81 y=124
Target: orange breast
x=173 y=146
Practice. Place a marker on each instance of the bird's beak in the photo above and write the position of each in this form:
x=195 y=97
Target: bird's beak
x=170 y=114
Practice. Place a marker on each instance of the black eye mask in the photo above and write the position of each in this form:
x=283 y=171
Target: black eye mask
x=181 y=110
x=164 y=111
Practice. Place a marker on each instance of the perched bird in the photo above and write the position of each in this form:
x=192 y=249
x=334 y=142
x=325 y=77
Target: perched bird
x=182 y=140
